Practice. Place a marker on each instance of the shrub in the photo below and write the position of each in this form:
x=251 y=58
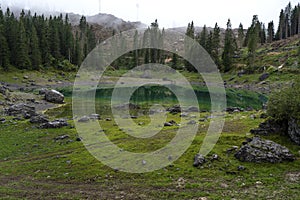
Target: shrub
x=285 y=104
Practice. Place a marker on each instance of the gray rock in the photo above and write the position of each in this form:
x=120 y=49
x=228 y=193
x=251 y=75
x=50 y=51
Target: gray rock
x=168 y=124
x=21 y=109
x=264 y=76
x=258 y=150
x=54 y=124
x=175 y=109
x=192 y=122
x=54 y=96
x=199 y=160
x=192 y=109
x=84 y=119
x=95 y=116
x=38 y=119
x=294 y=131
x=3 y=90
x=62 y=137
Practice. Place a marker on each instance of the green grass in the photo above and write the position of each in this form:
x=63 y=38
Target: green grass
x=32 y=163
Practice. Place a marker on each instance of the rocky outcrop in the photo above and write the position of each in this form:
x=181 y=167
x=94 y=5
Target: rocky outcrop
x=54 y=96
x=294 y=131
x=21 y=110
x=258 y=150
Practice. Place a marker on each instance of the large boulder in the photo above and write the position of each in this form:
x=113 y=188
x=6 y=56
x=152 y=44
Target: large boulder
x=258 y=150
x=21 y=110
x=294 y=131
x=54 y=96
x=199 y=160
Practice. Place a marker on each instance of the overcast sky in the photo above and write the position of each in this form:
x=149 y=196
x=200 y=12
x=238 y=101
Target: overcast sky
x=170 y=13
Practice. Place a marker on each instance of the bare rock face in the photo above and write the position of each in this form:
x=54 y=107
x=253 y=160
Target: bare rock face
x=294 y=131
x=258 y=150
x=54 y=96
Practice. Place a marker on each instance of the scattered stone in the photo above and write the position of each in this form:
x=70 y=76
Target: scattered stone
x=253 y=117
x=224 y=185
x=214 y=157
x=264 y=76
x=84 y=119
x=234 y=110
x=241 y=168
x=184 y=115
x=25 y=77
x=199 y=160
x=175 y=109
x=192 y=109
x=133 y=117
x=258 y=150
x=108 y=119
x=264 y=116
x=78 y=139
x=43 y=91
x=54 y=96
x=202 y=120
x=21 y=109
x=62 y=137
x=3 y=90
x=38 y=119
x=294 y=131
x=94 y=116
x=55 y=124
x=168 y=124
x=192 y=122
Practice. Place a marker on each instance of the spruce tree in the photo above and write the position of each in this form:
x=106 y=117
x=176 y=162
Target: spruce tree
x=253 y=33
x=270 y=37
x=241 y=36
x=216 y=45
x=229 y=48
x=21 y=53
x=34 y=50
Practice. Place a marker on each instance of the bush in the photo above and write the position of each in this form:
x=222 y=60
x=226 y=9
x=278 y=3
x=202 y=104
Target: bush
x=285 y=104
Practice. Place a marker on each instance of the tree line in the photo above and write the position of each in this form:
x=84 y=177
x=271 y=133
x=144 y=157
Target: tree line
x=35 y=41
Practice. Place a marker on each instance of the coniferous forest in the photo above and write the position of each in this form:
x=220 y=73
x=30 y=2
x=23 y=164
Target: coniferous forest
x=34 y=41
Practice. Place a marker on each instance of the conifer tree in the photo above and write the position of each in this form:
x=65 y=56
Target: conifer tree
x=241 y=36
x=21 y=53
x=34 y=50
x=270 y=37
x=216 y=45
x=229 y=47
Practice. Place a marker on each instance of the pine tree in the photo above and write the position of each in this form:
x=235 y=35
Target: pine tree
x=253 y=33
x=202 y=37
x=270 y=37
x=4 y=51
x=262 y=34
x=216 y=45
x=241 y=36
x=34 y=51
x=281 y=27
x=21 y=54
x=229 y=48
x=77 y=51
x=54 y=38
